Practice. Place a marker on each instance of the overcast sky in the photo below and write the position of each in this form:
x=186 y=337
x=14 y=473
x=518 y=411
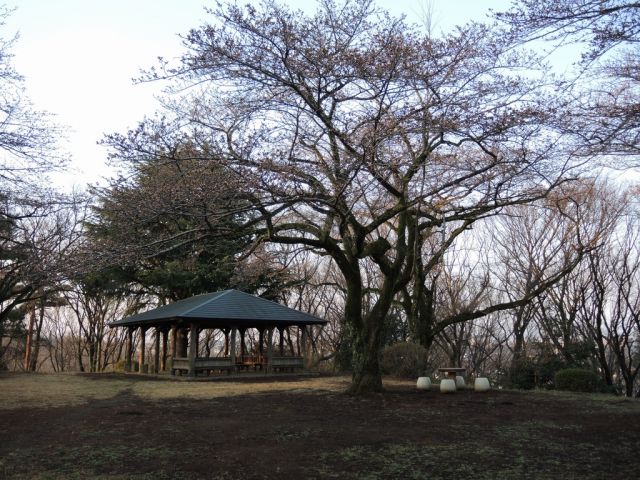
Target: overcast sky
x=79 y=58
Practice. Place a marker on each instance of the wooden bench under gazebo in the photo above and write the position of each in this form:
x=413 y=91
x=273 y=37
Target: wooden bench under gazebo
x=231 y=311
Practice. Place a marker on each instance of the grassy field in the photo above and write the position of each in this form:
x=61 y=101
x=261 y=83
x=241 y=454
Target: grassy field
x=58 y=390
x=121 y=427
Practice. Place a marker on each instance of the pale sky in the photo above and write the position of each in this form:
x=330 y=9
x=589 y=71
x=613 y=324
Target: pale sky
x=79 y=57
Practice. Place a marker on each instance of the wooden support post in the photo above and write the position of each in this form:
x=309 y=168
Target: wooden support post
x=128 y=350
x=243 y=347
x=310 y=341
x=303 y=345
x=193 y=349
x=182 y=351
x=261 y=342
x=156 y=351
x=226 y=341
x=232 y=349
x=174 y=347
x=174 y=341
x=308 y=354
x=281 y=345
x=269 y=348
x=142 y=367
x=163 y=360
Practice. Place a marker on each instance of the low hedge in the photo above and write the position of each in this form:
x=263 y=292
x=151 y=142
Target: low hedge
x=404 y=359
x=578 y=380
x=119 y=366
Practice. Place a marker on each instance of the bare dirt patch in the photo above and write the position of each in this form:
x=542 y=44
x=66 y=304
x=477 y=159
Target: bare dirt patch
x=118 y=427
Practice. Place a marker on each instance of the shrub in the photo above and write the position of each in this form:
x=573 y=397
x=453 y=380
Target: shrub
x=404 y=359
x=343 y=358
x=537 y=372
x=523 y=375
x=578 y=380
x=119 y=366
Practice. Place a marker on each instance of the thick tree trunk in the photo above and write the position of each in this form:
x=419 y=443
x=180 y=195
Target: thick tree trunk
x=518 y=352
x=367 y=377
x=36 y=343
x=628 y=385
x=79 y=354
x=29 y=340
x=292 y=350
x=420 y=310
x=425 y=323
x=367 y=336
x=365 y=347
x=601 y=352
x=92 y=353
x=519 y=331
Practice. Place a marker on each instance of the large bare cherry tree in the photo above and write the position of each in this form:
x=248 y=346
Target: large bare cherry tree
x=361 y=138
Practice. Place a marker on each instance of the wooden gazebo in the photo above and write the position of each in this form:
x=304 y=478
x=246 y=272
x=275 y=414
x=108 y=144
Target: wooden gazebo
x=231 y=311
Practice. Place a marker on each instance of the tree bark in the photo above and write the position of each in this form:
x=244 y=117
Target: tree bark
x=36 y=344
x=366 y=377
x=29 y=340
x=366 y=338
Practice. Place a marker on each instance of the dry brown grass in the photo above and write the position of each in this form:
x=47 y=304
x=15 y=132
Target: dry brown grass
x=205 y=390
x=47 y=390
x=56 y=390
x=52 y=390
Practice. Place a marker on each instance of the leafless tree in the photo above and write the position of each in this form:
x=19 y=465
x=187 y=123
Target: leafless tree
x=36 y=263
x=358 y=136
x=59 y=346
x=624 y=323
x=28 y=151
x=487 y=351
x=610 y=305
x=460 y=285
x=93 y=309
x=606 y=107
x=548 y=240
x=27 y=137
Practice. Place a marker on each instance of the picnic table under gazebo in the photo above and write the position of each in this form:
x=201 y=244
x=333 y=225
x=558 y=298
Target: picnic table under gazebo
x=231 y=311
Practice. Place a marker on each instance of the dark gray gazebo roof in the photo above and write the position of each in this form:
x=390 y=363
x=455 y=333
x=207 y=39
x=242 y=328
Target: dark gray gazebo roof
x=229 y=308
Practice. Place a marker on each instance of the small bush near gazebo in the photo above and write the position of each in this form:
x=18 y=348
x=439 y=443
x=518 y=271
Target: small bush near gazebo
x=119 y=366
x=578 y=380
x=404 y=359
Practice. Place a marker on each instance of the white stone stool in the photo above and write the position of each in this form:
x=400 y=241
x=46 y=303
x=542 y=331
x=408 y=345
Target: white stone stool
x=482 y=384
x=460 y=382
x=424 y=383
x=447 y=385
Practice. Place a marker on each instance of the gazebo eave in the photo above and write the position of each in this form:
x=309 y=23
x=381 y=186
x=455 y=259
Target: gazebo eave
x=204 y=322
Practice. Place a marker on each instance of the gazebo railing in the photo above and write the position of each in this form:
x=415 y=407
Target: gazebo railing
x=203 y=363
x=214 y=363
x=293 y=362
